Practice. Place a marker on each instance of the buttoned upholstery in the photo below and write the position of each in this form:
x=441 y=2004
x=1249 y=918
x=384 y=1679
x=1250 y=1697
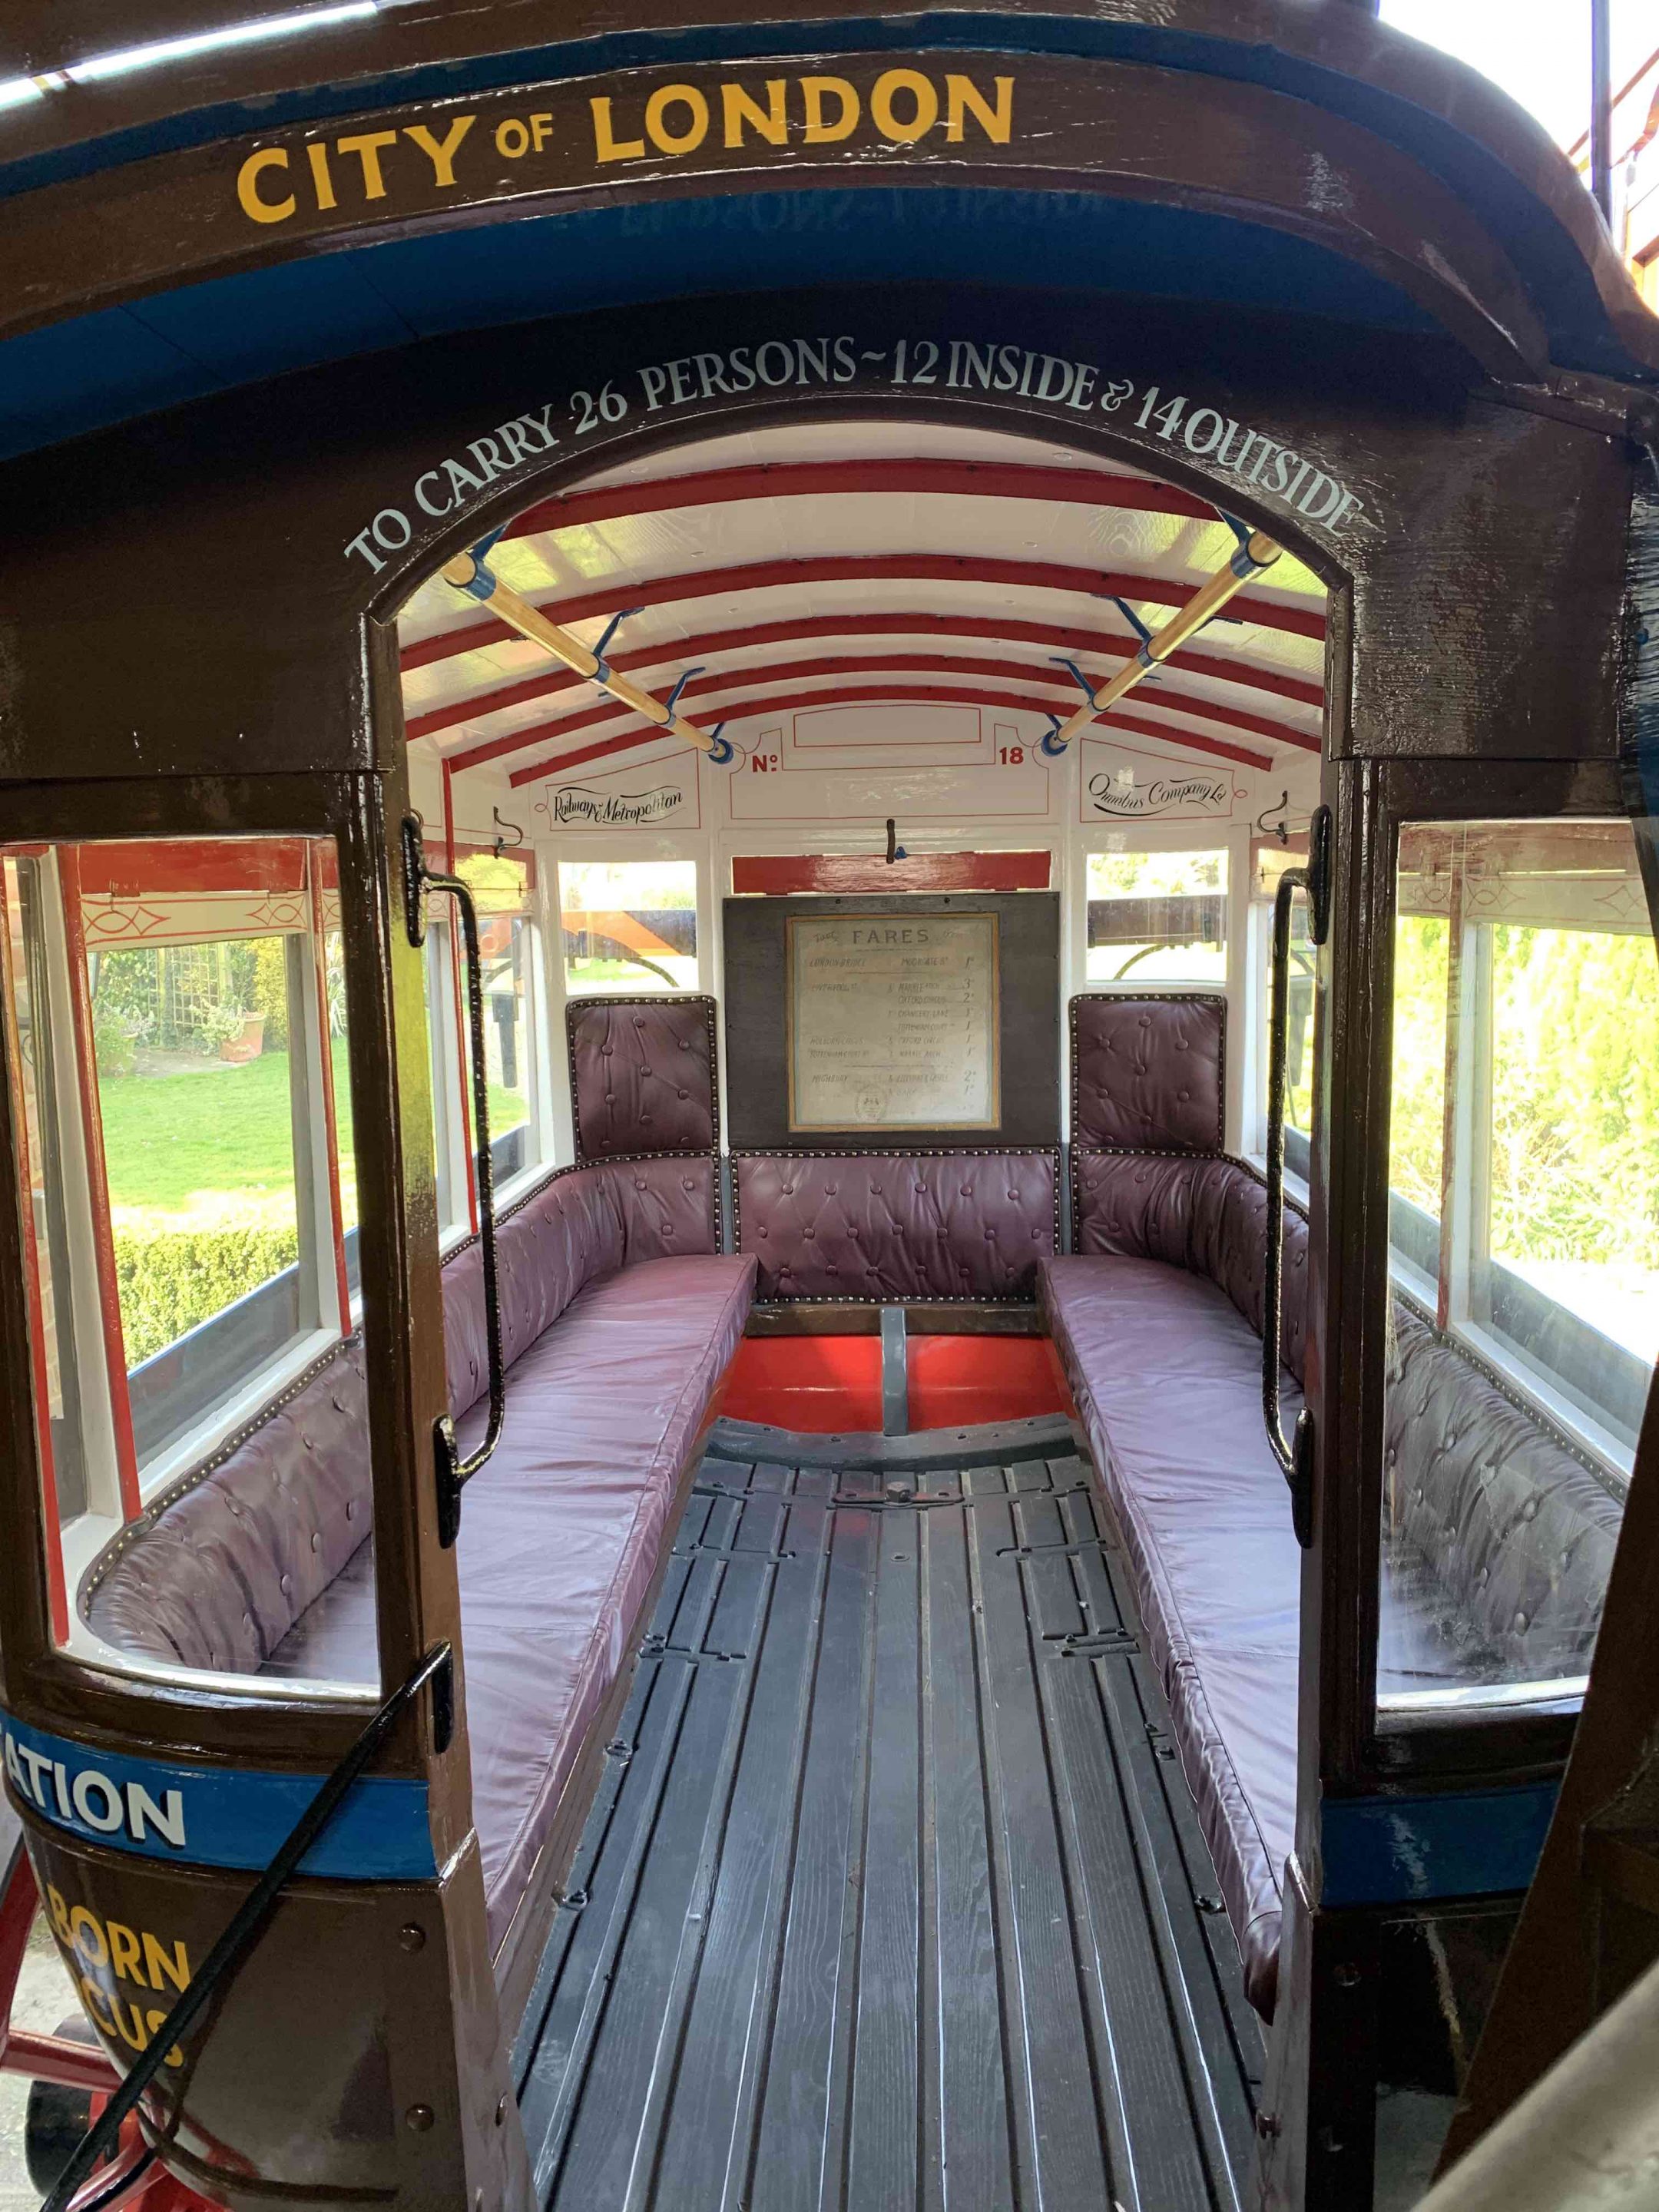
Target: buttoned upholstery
x=1148 y=1073
x=1517 y=1536
x=618 y=1320
x=642 y=1076
x=1496 y=1540
x=888 y=1228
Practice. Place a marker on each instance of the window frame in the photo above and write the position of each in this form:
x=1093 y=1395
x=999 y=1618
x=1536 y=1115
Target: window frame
x=1143 y=838
x=1457 y=1296
x=120 y=1476
x=609 y=852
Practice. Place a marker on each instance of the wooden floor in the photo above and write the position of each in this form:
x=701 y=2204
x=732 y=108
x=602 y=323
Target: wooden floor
x=893 y=1896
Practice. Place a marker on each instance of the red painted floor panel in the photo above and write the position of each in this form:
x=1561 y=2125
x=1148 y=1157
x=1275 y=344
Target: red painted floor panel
x=831 y=1385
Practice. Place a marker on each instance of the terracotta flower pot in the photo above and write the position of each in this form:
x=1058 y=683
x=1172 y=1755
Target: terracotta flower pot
x=249 y=1044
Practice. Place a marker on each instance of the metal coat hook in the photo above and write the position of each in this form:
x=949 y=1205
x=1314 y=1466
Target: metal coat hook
x=1281 y=829
x=501 y=827
x=895 y=850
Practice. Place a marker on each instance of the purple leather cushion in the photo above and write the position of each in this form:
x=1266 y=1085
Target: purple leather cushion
x=1147 y=1073
x=562 y=1531
x=1209 y=1216
x=871 y=1225
x=1519 y=1534
x=216 y=1573
x=582 y=1223
x=1166 y=1374
x=642 y=1075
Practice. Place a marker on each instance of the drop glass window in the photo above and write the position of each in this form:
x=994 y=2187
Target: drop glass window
x=1157 y=918
x=174 y=1033
x=500 y=887
x=628 y=925
x=1524 y=1223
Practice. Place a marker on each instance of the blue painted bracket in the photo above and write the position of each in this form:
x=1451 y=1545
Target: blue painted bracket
x=722 y=753
x=483 y=585
x=680 y=682
x=1241 y=563
x=1076 y=675
x=603 y=670
x=1143 y=651
x=1046 y=742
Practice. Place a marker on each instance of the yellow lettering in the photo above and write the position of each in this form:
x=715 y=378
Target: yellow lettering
x=815 y=90
x=319 y=177
x=606 y=148
x=124 y=1954
x=175 y=1969
x=135 y=2036
x=94 y=1950
x=882 y=113
x=962 y=96
x=367 y=146
x=93 y=1998
x=247 y=187
x=541 y=130
x=771 y=122
x=441 y=152
x=60 y=1912
x=677 y=95
x=153 y=2021
x=511 y=139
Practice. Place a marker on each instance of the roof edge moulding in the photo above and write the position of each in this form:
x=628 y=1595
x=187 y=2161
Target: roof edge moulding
x=337 y=183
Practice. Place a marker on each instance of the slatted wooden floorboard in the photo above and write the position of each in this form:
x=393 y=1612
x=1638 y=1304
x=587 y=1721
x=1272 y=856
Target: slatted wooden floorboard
x=892 y=1896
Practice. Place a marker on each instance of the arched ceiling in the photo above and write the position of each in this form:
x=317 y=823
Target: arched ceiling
x=868 y=564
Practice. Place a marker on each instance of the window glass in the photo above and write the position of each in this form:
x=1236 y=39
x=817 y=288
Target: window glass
x=1157 y=918
x=1524 y=1159
x=630 y=925
x=174 y=1027
x=195 y=1086
x=25 y=985
x=334 y=987
x=1422 y=981
x=499 y=888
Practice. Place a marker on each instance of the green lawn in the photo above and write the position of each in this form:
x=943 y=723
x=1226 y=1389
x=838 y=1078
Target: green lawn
x=217 y=1146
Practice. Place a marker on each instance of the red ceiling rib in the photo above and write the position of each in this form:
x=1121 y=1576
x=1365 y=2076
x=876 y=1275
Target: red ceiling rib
x=849 y=694
x=1065 y=487
x=794 y=672
x=688 y=652
x=858 y=568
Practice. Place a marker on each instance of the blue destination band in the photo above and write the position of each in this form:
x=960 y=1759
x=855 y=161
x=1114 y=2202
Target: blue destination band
x=214 y=1816
x=1398 y=1850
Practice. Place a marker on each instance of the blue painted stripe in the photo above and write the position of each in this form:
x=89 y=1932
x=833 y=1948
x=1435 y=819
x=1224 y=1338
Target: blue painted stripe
x=70 y=378
x=214 y=1816
x=1402 y=1850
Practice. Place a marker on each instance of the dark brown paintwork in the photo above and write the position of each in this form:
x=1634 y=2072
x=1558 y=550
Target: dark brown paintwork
x=43 y=35
x=1108 y=127
x=183 y=601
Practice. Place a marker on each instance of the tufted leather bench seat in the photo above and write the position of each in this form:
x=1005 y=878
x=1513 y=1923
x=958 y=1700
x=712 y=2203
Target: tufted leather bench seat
x=886 y=1227
x=618 y=1320
x=1496 y=1541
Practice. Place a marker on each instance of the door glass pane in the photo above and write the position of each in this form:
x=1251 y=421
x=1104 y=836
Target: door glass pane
x=185 y=1160
x=1157 y=918
x=1524 y=1159
x=500 y=886
x=630 y=925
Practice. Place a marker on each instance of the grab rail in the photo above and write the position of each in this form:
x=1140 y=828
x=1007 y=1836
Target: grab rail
x=247 y=1922
x=1295 y=1454
x=452 y=1472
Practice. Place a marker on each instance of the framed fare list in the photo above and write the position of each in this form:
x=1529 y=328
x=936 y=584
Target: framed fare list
x=859 y=1024
x=894 y=1022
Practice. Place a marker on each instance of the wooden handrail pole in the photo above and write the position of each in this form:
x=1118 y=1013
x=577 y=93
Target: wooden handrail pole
x=1259 y=552
x=465 y=572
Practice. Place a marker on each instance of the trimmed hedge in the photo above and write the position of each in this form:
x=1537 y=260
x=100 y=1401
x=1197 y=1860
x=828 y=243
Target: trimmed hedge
x=172 y=1279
